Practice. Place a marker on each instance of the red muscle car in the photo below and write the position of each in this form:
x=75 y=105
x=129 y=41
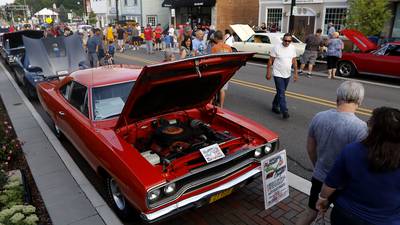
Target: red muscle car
x=383 y=61
x=153 y=136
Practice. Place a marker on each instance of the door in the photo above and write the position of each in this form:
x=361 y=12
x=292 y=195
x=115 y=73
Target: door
x=303 y=26
x=261 y=44
x=385 y=61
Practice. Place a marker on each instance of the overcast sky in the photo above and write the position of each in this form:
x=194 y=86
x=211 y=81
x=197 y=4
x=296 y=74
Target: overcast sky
x=3 y=2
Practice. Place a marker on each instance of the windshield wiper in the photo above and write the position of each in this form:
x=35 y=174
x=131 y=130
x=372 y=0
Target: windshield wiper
x=110 y=116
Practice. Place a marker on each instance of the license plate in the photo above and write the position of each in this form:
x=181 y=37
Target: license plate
x=220 y=195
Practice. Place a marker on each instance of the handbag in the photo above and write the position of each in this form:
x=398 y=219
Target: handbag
x=319 y=220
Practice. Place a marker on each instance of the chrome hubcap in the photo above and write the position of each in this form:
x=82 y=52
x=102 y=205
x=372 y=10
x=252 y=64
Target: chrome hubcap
x=345 y=69
x=117 y=195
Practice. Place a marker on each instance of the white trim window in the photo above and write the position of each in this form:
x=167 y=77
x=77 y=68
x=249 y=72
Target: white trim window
x=274 y=17
x=337 y=16
x=151 y=20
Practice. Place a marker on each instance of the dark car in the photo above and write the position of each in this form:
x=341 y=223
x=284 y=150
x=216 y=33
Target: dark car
x=13 y=45
x=48 y=58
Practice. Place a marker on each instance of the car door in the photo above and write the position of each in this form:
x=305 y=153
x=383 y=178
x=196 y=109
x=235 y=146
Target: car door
x=260 y=44
x=74 y=119
x=379 y=62
x=392 y=61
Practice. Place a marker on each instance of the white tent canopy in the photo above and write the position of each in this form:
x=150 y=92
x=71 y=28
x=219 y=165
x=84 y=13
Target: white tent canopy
x=46 y=12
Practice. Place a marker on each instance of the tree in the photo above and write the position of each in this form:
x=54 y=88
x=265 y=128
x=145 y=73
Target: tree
x=368 y=16
x=63 y=13
x=92 y=18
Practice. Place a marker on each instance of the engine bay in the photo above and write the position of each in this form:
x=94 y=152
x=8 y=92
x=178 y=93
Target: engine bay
x=174 y=138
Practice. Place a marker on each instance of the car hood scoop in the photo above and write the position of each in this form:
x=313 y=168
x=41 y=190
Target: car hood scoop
x=55 y=56
x=179 y=85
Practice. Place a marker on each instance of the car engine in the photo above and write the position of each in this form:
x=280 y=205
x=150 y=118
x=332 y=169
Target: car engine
x=174 y=138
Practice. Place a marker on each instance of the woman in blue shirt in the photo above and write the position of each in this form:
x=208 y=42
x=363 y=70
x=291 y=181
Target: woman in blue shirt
x=366 y=176
x=333 y=54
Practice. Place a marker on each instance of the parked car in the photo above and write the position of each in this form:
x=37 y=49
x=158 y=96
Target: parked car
x=48 y=58
x=160 y=146
x=369 y=59
x=13 y=45
x=261 y=43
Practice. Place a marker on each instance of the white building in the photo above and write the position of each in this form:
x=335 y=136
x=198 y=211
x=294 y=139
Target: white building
x=309 y=14
x=142 y=11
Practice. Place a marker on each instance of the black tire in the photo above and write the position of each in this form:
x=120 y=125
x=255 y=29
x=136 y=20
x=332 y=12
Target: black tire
x=117 y=201
x=346 y=69
x=31 y=91
x=234 y=49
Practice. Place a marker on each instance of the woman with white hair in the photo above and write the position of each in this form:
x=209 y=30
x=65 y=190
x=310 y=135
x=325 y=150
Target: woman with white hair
x=334 y=53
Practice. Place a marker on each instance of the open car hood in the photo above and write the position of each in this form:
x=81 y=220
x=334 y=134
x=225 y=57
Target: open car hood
x=362 y=42
x=244 y=31
x=55 y=56
x=179 y=85
x=15 y=38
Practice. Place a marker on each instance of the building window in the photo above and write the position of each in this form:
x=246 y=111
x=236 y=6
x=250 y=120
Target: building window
x=109 y=2
x=135 y=2
x=152 y=20
x=337 y=16
x=396 y=24
x=274 y=18
x=125 y=2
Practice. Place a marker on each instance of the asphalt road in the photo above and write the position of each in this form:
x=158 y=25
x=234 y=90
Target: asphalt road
x=251 y=95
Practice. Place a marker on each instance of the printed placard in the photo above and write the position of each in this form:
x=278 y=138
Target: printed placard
x=274 y=177
x=212 y=153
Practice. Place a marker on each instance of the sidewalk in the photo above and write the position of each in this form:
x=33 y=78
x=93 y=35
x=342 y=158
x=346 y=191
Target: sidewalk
x=71 y=199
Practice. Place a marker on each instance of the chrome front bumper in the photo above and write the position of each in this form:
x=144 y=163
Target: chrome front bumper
x=181 y=205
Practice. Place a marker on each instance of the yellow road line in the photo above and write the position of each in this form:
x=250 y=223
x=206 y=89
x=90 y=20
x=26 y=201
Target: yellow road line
x=306 y=98
x=297 y=94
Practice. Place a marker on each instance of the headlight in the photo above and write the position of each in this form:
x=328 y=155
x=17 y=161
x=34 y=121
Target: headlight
x=258 y=153
x=267 y=148
x=170 y=189
x=154 y=195
x=38 y=79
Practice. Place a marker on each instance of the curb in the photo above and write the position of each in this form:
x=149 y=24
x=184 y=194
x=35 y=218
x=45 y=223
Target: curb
x=101 y=207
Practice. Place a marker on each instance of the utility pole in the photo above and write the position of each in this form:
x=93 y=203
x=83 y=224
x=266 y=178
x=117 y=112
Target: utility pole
x=116 y=10
x=291 y=19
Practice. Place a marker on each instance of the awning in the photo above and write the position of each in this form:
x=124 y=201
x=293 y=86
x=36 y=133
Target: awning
x=188 y=3
x=167 y=3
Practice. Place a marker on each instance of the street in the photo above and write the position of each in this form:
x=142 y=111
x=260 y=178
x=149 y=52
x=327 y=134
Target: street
x=250 y=94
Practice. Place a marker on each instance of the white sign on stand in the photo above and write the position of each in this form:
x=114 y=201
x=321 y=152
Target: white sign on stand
x=274 y=177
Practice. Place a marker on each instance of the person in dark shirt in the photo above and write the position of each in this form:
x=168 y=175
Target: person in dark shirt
x=313 y=43
x=93 y=49
x=120 y=38
x=367 y=176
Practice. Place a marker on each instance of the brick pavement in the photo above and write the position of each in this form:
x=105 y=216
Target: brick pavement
x=245 y=207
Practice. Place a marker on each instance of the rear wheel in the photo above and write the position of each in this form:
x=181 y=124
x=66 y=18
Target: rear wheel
x=117 y=200
x=346 y=69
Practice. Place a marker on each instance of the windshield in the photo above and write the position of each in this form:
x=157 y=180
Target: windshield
x=108 y=101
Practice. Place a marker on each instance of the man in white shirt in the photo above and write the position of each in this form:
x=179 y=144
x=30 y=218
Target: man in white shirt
x=282 y=57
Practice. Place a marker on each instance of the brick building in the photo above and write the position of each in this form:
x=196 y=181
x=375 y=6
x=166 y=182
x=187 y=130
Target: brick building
x=220 y=13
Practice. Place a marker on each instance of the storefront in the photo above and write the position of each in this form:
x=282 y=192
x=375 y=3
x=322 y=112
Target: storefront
x=309 y=15
x=193 y=12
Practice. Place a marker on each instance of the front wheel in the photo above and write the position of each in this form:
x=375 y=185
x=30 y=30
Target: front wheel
x=346 y=69
x=117 y=200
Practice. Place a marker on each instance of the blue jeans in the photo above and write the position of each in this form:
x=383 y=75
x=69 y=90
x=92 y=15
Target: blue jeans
x=149 y=47
x=280 y=98
x=341 y=216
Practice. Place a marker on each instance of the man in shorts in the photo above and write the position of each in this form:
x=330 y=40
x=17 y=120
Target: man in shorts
x=157 y=33
x=329 y=132
x=313 y=43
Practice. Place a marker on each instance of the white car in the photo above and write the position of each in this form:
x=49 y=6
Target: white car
x=261 y=43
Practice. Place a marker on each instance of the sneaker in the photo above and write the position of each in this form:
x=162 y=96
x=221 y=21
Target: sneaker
x=308 y=75
x=276 y=110
x=285 y=115
x=300 y=72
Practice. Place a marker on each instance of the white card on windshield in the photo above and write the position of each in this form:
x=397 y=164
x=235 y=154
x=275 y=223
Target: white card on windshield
x=212 y=153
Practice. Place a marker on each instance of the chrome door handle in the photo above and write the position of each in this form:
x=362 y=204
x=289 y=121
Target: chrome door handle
x=61 y=113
